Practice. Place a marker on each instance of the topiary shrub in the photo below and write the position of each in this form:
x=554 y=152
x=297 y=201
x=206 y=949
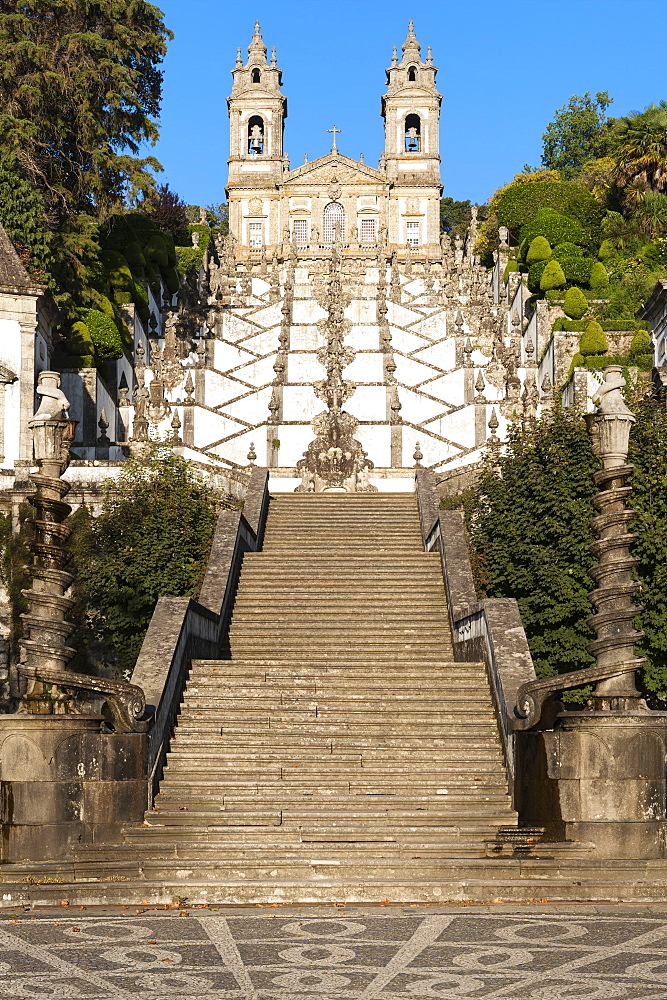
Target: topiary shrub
x=511 y=267
x=641 y=344
x=539 y=249
x=599 y=279
x=104 y=335
x=552 y=276
x=575 y=303
x=140 y=299
x=593 y=340
x=556 y=228
x=135 y=259
x=576 y=267
x=535 y=275
x=607 y=250
x=171 y=280
x=156 y=250
x=79 y=340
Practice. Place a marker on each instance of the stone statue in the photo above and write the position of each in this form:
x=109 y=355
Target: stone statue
x=53 y=404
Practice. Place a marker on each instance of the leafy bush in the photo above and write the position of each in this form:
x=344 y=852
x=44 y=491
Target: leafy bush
x=578 y=361
x=511 y=267
x=556 y=228
x=539 y=249
x=554 y=295
x=104 y=335
x=552 y=276
x=155 y=249
x=620 y=325
x=575 y=303
x=641 y=344
x=593 y=340
x=151 y=539
x=171 y=280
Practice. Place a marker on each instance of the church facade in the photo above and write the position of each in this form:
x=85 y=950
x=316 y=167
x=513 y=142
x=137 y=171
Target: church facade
x=397 y=202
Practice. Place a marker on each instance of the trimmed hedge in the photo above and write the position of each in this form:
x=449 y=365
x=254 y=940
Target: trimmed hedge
x=599 y=279
x=556 y=228
x=521 y=203
x=104 y=335
x=644 y=362
x=535 y=275
x=641 y=344
x=569 y=325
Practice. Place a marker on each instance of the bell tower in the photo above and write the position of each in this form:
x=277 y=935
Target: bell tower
x=411 y=158
x=257 y=112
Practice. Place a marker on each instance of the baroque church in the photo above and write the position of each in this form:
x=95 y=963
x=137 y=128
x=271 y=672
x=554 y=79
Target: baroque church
x=337 y=266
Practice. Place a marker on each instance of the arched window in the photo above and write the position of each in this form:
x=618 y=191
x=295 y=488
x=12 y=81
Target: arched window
x=413 y=136
x=412 y=74
x=333 y=222
x=256 y=135
x=255 y=76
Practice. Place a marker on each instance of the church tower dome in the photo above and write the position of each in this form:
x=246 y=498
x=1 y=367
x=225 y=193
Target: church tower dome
x=411 y=112
x=257 y=113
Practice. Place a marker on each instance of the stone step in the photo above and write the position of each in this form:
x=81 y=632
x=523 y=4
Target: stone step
x=465 y=740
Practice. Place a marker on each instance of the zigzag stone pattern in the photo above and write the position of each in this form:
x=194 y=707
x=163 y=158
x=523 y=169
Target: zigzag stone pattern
x=436 y=365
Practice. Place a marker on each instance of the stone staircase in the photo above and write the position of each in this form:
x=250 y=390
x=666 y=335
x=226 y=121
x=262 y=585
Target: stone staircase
x=341 y=725
x=340 y=755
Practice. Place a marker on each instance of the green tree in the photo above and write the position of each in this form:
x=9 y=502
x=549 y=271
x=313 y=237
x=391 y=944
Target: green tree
x=530 y=528
x=639 y=147
x=22 y=215
x=151 y=538
x=80 y=93
x=455 y=216
x=578 y=133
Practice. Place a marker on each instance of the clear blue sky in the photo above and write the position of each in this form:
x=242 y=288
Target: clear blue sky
x=504 y=68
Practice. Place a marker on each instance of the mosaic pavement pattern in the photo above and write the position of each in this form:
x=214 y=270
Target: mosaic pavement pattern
x=353 y=954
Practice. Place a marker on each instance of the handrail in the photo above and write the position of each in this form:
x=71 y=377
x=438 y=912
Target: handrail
x=182 y=629
x=126 y=702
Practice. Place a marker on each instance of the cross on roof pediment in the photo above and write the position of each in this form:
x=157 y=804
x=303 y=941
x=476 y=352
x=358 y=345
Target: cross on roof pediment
x=334 y=166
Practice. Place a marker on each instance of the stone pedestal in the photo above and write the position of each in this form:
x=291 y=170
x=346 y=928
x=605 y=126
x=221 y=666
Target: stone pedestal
x=64 y=782
x=597 y=777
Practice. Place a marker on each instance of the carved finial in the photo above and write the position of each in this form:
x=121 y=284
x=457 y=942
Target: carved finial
x=479 y=386
x=103 y=423
x=257 y=28
x=429 y=56
x=239 y=59
x=493 y=439
x=175 y=428
x=189 y=389
x=274 y=57
x=418 y=456
x=252 y=455
x=394 y=56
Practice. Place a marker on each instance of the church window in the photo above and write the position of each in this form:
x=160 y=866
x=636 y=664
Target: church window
x=413 y=134
x=256 y=135
x=333 y=223
x=412 y=234
x=368 y=230
x=256 y=76
x=255 y=240
x=412 y=74
x=300 y=232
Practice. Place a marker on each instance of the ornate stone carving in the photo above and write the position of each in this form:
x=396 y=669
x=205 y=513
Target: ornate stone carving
x=335 y=461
